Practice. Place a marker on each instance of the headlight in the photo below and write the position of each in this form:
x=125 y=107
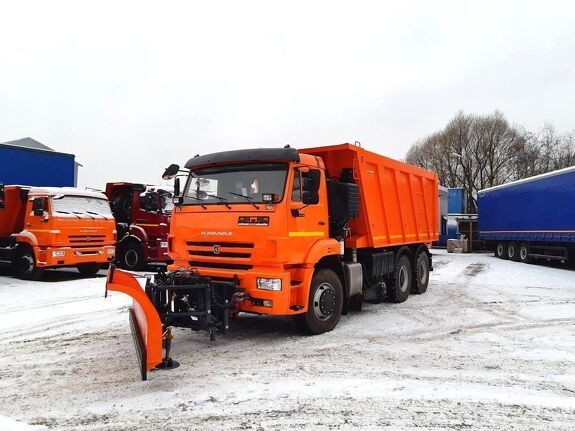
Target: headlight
x=58 y=253
x=269 y=283
x=111 y=250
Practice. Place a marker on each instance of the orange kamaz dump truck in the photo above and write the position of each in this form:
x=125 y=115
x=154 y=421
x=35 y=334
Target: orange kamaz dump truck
x=310 y=234
x=49 y=227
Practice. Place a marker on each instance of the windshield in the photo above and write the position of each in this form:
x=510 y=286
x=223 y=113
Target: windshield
x=232 y=184
x=81 y=205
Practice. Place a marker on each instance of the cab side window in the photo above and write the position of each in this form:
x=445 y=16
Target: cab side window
x=299 y=178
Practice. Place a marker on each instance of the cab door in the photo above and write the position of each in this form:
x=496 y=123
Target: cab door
x=37 y=218
x=307 y=222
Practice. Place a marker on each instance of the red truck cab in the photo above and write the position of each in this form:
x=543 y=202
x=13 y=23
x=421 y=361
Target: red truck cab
x=142 y=214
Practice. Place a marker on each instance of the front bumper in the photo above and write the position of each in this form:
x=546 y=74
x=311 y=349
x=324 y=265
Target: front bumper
x=156 y=251
x=290 y=300
x=71 y=256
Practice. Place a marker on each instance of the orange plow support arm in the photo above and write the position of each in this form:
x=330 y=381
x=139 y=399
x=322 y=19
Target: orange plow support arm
x=144 y=319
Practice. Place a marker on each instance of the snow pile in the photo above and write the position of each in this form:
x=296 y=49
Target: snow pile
x=491 y=345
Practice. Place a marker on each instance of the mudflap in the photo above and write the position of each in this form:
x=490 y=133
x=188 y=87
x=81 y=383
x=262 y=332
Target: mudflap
x=147 y=329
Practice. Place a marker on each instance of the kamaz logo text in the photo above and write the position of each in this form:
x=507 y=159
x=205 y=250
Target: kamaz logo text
x=217 y=233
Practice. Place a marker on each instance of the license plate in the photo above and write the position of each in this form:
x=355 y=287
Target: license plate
x=164 y=244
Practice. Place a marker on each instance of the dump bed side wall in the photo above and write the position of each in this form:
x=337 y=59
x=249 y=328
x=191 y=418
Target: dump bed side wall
x=399 y=202
x=12 y=215
x=542 y=209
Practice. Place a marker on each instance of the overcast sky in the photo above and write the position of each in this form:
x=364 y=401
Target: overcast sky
x=130 y=87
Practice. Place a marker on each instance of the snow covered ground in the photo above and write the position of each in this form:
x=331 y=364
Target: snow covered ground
x=491 y=345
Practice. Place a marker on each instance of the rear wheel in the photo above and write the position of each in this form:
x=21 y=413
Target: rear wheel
x=524 y=253
x=324 y=305
x=88 y=268
x=400 y=285
x=501 y=250
x=513 y=251
x=25 y=264
x=132 y=257
x=421 y=274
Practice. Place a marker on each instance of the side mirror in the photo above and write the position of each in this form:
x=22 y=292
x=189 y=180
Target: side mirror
x=176 y=187
x=311 y=182
x=311 y=187
x=176 y=198
x=38 y=206
x=2 y=204
x=171 y=171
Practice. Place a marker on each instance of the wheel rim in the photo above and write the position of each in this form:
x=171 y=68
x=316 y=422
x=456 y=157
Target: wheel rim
x=27 y=263
x=422 y=270
x=523 y=253
x=131 y=258
x=403 y=278
x=324 y=301
x=511 y=250
x=499 y=249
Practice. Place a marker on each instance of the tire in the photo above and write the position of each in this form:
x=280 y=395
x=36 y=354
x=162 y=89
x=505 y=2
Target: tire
x=25 y=264
x=400 y=285
x=513 y=251
x=88 y=268
x=524 y=253
x=501 y=250
x=132 y=257
x=421 y=274
x=325 y=304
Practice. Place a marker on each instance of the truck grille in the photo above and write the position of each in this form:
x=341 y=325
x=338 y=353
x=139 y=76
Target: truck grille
x=220 y=255
x=86 y=240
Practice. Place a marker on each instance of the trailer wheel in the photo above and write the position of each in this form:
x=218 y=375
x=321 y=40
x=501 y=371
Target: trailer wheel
x=324 y=305
x=524 y=253
x=25 y=264
x=513 y=252
x=88 y=268
x=501 y=250
x=421 y=274
x=400 y=285
x=131 y=256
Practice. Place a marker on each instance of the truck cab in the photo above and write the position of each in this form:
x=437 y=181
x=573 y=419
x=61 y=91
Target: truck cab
x=142 y=214
x=51 y=227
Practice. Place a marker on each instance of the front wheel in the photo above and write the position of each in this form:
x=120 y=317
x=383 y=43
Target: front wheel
x=25 y=265
x=324 y=305
x=132 y=257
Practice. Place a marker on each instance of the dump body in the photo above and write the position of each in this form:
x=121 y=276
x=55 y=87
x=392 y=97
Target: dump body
x=540 y=208
x=399 y=202
x=56 y=227
x=142 y=214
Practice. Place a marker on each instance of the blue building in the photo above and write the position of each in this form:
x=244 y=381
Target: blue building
x=31 y=163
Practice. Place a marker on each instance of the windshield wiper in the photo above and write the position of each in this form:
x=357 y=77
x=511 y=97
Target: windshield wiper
x=250 y=200
x=224 y=200
x=199 y=200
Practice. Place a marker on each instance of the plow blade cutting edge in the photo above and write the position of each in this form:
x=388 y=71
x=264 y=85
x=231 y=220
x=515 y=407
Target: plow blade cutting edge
x=145 y=323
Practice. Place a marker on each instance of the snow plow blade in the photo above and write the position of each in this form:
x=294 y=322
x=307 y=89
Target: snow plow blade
x=145 y=323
